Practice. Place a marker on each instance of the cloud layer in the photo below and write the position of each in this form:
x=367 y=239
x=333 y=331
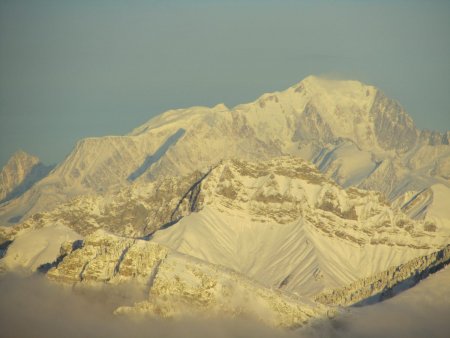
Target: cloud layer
x=34 y=307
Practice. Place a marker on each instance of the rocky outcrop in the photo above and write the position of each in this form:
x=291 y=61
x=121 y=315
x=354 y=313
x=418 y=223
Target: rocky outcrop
x=177 y=285
x=387 y=283
x=134 y=211
x=393 y=127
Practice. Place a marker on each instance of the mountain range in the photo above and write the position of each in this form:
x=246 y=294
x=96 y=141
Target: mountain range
x=319 y=196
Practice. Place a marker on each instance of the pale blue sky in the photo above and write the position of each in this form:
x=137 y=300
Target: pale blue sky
x=71 y=69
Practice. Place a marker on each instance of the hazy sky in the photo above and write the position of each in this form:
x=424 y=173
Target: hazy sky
x=70 y=69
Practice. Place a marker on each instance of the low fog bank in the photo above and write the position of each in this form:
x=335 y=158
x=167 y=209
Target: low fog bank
x=34 y=307
x=422 y=311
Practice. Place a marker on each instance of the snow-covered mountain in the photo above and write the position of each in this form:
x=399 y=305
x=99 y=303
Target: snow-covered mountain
x=325 y=193
x=282 y=190
x=240 y=227
x=351 y=131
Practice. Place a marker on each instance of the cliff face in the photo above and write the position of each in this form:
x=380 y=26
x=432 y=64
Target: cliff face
x=176 y=284
x=387 y=283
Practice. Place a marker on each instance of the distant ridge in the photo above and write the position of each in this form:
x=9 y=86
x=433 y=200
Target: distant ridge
x=351 y=131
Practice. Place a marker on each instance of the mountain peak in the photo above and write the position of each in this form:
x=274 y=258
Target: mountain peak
x=220 y=107
x=330 y=86
x=22 y=155
x=20 y=160
x=20 y=173
x=15 y=171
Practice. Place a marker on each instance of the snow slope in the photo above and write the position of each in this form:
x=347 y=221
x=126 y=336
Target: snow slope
x=283 y=224
x=36 y=247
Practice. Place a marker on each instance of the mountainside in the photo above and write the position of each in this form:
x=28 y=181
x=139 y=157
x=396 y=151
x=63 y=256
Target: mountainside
x=177 y=284
x=351 y=131
x=279 y=223
x=281 y=191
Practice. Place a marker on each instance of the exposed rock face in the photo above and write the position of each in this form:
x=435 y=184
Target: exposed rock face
x=137 y=210
x=387 y=283
x=103 y=257
x=311 y=127
x=393 y=127
x=177 y=284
